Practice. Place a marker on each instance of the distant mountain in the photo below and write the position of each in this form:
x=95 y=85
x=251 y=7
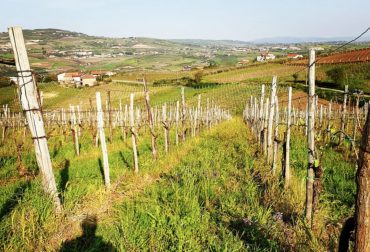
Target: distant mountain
x=272 y=40
x=51 y=39
x=47 y=33
x=212 y=43
x=300 y=40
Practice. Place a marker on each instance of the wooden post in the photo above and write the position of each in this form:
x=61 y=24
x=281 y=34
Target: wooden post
x=100 y=125
x=362 y=240
x=29 y=101
x=260 y=117
x=165 y=127
x=150 y=119
x=343 y=116
x=265 y=125
x=183 y=113
x=310 y=136
x=177 y=121
x=355 y=121
x=125 y=119
x=133 y=133
x=198 y=113
x=109 y=107
x=74 y=130
x=271 y=119
x=276 y=136
x=207 y=114
x=328 y=127
x=287 y=140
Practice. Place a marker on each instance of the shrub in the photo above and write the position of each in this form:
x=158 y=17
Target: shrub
x=295 y=77
x=337 y=75
x=4 y=82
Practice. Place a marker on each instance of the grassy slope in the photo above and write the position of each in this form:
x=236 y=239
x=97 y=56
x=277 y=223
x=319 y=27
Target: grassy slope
x=218 y=196
x=228 y=200
x=207 y=203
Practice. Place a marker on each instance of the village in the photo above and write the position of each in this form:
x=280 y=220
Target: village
x=80 y=79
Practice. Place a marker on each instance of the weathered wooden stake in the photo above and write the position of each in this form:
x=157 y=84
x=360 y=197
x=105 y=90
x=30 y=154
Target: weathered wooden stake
x=276 y=136
x=31 y=109
x=271 y=120
x=310 y=136
x=177 y=119
x=100 y=126
x=165 y=127
x=362 y=240
x=287 y=141
x=109 y=107
x=133 y=133
x=183 y=114
x=74 y=130
x=150 y=119
x=343 y=116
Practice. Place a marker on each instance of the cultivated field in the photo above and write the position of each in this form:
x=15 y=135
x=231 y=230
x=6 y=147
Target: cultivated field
x=231 y=159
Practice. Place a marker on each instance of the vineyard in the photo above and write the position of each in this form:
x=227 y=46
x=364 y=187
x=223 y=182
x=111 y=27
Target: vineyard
x=222 y=167
x=356 y=56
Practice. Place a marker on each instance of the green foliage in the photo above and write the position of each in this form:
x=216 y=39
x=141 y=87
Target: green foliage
x=295 y=77
x=198 y=77
x=337 y=74
x=4 y=82
x=356 y=76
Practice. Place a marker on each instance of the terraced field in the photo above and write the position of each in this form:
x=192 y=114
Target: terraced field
x=252 y=72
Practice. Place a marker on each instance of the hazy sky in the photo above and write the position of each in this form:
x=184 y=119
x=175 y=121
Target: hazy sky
x=201 y=19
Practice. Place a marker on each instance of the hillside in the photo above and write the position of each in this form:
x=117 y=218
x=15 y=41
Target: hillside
x=60 y=50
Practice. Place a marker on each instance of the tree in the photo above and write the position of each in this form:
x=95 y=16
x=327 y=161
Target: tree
x=198 y=77
x=295 y=77
x=4 y=82
x=337 y=74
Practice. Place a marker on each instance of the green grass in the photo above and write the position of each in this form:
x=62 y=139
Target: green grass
x=203 y=204
x=210 y=199
x=213 y=193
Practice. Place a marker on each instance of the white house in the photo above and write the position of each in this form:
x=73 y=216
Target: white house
x=294 y=56
x=88 y=80
x=265 y=56
x=61 y=77
x=70 y=78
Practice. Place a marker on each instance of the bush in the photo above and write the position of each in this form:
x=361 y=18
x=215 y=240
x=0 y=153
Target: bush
x=198 y=77
x=295 y=77
x=50 y=78
x=337 y=75
x=5 y=82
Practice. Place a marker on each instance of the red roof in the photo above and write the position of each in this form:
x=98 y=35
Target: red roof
x=74 y=74
x=88 y=76
x=98 y=72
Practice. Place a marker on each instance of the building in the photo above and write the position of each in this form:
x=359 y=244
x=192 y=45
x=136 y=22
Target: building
x=265 y=56
x=73 y=78
x=61 y=77
x=243 y=62
x=187 y=68
x=294 y=56
x=97 y=73
x=88 y=80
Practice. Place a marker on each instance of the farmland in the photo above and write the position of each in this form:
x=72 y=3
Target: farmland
x=354 y=56
x=230 y=159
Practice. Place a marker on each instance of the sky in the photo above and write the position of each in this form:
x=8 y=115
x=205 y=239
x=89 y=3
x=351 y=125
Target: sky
x=192 y=19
